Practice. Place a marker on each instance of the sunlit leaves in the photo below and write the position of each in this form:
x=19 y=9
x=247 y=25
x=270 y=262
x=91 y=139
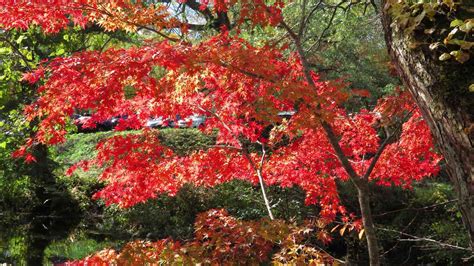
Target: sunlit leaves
x=452 y=29
x=240 y=88
x=53 y=16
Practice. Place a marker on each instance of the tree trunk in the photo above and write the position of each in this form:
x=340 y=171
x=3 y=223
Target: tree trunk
x=440 y=88
x=362 y=186
x=370 y=235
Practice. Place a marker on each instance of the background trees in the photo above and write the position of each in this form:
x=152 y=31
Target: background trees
x=36 y=208
x=31 y=200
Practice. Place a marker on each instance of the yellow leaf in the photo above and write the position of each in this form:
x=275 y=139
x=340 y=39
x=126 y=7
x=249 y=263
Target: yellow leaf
x=444 y=56
x=343 y=229
x=471 y=87
x=361 y=233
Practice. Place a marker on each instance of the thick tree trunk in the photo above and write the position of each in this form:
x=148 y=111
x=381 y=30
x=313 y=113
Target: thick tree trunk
x=363 y=196
x=441 y=91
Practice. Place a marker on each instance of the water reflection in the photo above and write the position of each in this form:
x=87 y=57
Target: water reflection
x=49 y=214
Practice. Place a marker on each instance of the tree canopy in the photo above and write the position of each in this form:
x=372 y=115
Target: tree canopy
x=202 y=58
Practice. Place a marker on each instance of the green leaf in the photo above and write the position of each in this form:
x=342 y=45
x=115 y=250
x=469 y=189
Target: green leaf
x=450 y=35
x=3 y=145
x=465 y=45
x=430 y=10
x=20 y=39
x=456 y=23
x=465 y=27
x=58 y=52
x=470 y=24
x=460 y=56
x=449 y=3
x=5 y=50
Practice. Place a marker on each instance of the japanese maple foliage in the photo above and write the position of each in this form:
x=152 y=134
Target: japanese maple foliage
x=310 y=161
x=53 y=16
x=240 y=87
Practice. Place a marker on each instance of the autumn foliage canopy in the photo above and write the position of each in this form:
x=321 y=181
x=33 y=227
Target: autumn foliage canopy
x=238 y=85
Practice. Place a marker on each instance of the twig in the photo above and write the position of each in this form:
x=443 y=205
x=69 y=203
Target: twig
x=417 y=209
x=321 y=36
x=312 y=11
x=303 y=16
x=403 y=230
x=262 y=184
x=424 y=239
x=225 y=147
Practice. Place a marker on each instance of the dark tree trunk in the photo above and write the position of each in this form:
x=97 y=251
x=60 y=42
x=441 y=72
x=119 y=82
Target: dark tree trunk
x=440 y=88
x=363 y=196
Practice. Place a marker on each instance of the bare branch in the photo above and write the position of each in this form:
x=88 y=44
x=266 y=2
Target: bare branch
x=417 y=209
x=303 y=18
x=260 y=180
x=423 y=239
x=328 y=26
x=327 y=127
x=313 y=10
x=225 y=147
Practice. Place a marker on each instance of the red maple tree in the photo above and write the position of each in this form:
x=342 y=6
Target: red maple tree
x=240 y=87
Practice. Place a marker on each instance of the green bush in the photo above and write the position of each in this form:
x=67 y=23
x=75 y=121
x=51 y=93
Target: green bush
x=72 y=249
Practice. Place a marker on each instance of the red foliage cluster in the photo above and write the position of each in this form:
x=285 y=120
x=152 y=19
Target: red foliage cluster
x=240 y=87
x=53 y=16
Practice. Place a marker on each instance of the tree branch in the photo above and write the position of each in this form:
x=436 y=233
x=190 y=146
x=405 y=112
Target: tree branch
x=382 y=148
x=417 y=209
x=312 y=11
x=18 y=52
x=327 y=127
x=321 y=36
x=303 y=18
x=260 y=180
x=225 y=147
x=245 y=152
x=339 y=153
